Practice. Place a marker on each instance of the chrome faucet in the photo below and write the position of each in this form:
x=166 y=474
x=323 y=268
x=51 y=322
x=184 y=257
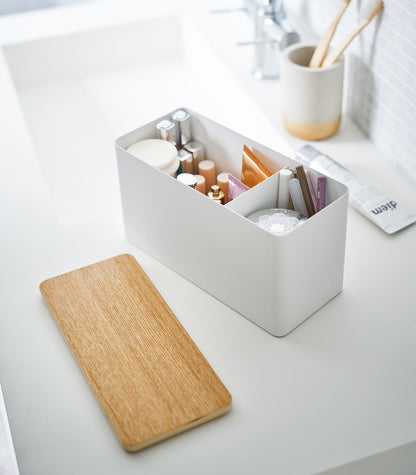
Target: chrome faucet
x=273 y=34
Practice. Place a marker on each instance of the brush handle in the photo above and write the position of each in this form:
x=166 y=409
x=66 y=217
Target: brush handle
x=339 y=49
x=323 y=45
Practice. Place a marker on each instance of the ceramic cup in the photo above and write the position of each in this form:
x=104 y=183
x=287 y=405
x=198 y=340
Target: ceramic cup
x=311 y=98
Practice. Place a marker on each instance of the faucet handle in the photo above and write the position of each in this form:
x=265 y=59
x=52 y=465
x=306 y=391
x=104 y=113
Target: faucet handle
x=227 y=10
x=255 y=42
x=250 y=7
x=282 y=33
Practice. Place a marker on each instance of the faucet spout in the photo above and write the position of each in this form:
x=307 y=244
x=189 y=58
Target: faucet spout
x=273 y=34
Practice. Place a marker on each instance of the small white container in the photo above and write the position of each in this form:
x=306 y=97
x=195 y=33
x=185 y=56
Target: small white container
x=311 y=98
x=274 y=281
x=157 y=152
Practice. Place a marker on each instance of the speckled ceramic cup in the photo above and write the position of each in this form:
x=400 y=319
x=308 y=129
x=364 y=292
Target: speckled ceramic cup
x=311 y=98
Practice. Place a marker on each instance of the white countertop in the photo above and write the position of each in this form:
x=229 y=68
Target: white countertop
x=336 y=390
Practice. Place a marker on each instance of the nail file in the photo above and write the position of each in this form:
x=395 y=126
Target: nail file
x=311 y=190
x=321 y=193
x=305 y=190
x=148 y=375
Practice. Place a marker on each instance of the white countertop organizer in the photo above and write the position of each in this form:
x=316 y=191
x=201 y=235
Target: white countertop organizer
x=341 y=381
x=275 y=281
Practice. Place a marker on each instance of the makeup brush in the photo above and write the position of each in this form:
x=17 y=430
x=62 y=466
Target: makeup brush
x=366 y=15
x=323 y=45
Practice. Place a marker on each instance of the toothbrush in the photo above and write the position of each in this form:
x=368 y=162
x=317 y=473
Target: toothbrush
x=367 y=14
x=322 y=48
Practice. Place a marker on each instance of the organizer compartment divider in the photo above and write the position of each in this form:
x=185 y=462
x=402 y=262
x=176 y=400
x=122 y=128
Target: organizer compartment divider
x=262 y=196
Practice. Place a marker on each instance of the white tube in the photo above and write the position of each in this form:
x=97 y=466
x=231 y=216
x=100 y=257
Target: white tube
x=297 y=197
x=283 y=196
x=375 y=206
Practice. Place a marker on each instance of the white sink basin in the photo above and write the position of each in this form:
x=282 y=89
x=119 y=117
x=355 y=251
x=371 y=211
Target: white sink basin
x=80 y=92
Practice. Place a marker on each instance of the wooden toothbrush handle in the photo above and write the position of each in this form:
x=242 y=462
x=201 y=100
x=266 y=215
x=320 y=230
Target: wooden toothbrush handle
x=323 y=45
x=335 y=54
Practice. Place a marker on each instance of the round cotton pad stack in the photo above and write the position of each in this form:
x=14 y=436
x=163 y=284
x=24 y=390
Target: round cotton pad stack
x=158 y=153
x=277 y=221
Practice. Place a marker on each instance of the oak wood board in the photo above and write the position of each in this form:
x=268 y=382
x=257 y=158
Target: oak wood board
x=149 y=376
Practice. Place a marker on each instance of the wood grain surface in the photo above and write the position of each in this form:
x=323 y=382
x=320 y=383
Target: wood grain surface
x=147 y=373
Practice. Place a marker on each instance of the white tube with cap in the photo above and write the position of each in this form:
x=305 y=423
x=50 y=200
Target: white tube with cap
x=384 y=212
x=297 y=197
x=283 y=196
